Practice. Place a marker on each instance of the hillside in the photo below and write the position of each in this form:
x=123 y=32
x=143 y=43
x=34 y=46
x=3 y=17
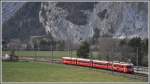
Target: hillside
x=76 y=21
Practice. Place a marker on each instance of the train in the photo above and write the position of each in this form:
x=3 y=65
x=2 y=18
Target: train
x=100 y=64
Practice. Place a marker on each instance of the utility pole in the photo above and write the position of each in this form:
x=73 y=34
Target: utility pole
x=70 y=47
x=137 y=56
x=112 y=60
x=91 y=41
x=52 y=51
x=37 y=42
x=91 y=59
x=34 y=52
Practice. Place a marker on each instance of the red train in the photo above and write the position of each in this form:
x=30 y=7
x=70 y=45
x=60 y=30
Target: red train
x=115 y=66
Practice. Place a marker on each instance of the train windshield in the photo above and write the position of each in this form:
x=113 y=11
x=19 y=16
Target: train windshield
x=129 y=66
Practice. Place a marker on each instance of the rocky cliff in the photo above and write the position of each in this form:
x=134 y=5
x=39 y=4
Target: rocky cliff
x=77 y=21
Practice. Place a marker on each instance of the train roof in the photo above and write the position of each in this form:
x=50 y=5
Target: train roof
x=69 y=58
x=124 y=64
x=66 y=57
x=82 y=59
x=100 y=61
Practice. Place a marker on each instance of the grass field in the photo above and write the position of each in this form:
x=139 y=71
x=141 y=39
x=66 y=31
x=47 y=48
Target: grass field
x=44 y=72
x=56 y=54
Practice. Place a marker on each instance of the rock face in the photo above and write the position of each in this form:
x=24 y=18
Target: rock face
x=9 y=9
x=79 y=21
x=23 y=23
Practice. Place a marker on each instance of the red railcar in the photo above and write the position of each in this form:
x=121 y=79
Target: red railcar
x=100 y=64
x=115 y=66
x=68 y=60
x=123 y=67
x=83 y=62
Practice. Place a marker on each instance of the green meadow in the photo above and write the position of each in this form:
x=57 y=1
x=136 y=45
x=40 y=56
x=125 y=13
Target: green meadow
x=56 y=54
x=44 y=72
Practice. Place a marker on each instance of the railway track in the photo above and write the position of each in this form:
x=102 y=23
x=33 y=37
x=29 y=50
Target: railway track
x=136 y=75
x=139 y=76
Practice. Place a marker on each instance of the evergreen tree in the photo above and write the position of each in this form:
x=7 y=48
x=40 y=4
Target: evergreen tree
x=136 y=44
x=83 y=51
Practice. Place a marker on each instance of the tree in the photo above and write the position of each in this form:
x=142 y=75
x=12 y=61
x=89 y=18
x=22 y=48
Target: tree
x=136 y=44
x=4 y=43
x=145 y=46
x=145 y=52
x=13 y=56
x=61 y=45
x=44 y=44
x=126 y=53
x=105 y=48
x=122 y=42
x=83 y=51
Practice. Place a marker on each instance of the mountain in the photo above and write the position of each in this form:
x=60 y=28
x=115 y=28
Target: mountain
x=80 y=20
x=9 y=9
x=23 y=23
x=77 y=21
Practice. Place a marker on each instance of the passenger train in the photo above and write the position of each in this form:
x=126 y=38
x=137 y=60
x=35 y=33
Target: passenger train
x=108 y=65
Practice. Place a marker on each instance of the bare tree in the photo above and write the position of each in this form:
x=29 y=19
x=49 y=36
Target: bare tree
x=106 y=47
x=126 y=53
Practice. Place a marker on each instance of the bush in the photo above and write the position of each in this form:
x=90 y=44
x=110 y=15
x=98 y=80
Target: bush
x=13 y=57
x=83 y=51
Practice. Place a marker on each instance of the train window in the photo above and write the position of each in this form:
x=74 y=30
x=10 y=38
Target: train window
x=109 y=64
x=121 y=66
x=129 y=66
x=84 y=61
x=115 y=65
x=118 y=66
x=100 y=64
